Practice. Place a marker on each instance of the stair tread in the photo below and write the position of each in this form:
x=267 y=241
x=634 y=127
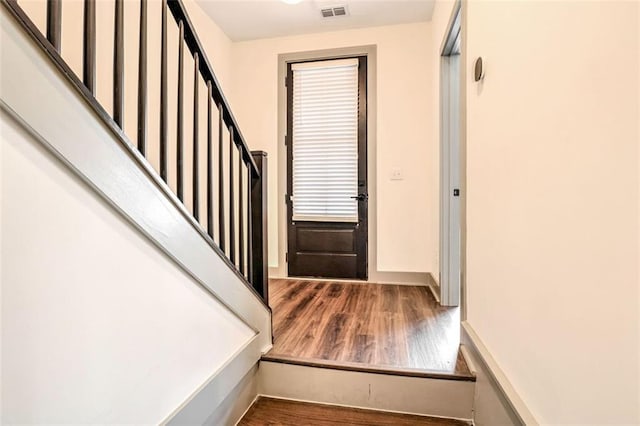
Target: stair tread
x=365 y=326
x=272 y=411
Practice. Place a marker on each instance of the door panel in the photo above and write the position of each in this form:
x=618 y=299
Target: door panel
x=327 y=265
x=325 y=241
x=330 y=249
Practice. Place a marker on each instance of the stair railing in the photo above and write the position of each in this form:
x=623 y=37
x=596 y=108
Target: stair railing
x=241 y=241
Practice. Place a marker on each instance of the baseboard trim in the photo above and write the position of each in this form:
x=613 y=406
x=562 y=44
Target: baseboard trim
x=434 y=293
x=237 y=403
x=205 y=403
x=248 y=408
x=434 y=287
x=394 y=278
x=400 y=278
x=482 y=363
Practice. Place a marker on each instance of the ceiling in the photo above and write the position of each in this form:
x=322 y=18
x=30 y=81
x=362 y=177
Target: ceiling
x=254 y=19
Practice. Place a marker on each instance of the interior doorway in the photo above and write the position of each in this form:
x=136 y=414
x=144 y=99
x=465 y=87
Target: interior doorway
x=450 y=163
x=327 y=190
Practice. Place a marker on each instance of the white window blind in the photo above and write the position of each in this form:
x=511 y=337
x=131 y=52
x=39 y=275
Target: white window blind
x=325 y=141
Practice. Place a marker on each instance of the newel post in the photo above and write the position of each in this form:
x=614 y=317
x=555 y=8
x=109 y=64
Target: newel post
x=259 y=247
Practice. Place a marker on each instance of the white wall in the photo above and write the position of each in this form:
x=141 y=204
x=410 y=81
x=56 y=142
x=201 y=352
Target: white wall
x=405 y=239
x=97 y=325
x=552 y=208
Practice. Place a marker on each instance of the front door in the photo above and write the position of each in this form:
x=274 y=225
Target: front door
x=327 y=168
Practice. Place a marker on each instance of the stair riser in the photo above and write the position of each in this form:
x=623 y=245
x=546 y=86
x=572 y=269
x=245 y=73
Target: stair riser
x=425 y=396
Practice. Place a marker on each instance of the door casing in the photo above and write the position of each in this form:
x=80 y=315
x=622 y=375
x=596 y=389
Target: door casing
x=451 y=164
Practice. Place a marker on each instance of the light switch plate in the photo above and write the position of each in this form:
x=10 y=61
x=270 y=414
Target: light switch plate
x=396 y=174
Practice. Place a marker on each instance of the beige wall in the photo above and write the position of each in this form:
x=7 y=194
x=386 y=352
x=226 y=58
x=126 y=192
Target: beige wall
x=406 y=240
x=552 y=213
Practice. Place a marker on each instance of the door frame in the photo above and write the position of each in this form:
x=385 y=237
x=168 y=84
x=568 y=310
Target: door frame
x=278 y=184
x=452 y=207
x=362 y=241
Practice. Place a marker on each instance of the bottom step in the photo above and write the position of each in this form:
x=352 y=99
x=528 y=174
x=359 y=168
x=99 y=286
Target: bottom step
x=269 y=411
x=439 y=397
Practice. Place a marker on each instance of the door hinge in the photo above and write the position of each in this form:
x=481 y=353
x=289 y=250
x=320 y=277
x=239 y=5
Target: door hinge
x=286 y=81
x=286 y=198
x=286 y=140
x=286 y=257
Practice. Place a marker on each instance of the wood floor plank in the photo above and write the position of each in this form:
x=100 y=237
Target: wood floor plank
x=374 y=324
x=270 y=411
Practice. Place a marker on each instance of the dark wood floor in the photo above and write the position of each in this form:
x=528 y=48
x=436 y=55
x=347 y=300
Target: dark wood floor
x=375 y=326
x=268 y=411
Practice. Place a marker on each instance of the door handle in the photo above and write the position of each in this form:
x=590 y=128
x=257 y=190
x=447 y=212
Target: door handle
x=360 y=197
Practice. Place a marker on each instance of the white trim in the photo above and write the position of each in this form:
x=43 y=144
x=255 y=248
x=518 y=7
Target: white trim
x=248 y=408
x=450 y=167
x=446 y=44
x=203 y=401
x=501 y=383
x=434 y=286
x=468 y=359
x=434 y=292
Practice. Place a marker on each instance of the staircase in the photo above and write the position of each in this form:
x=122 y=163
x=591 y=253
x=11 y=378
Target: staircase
x=198 y=195
x=137 y=271
x=238 y=178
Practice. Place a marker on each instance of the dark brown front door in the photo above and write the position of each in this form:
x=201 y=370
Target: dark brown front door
x=327 y=168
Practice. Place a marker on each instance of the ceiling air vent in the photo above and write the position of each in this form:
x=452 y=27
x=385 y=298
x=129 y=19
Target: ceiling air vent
x=331 y=12
x=339 y=11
